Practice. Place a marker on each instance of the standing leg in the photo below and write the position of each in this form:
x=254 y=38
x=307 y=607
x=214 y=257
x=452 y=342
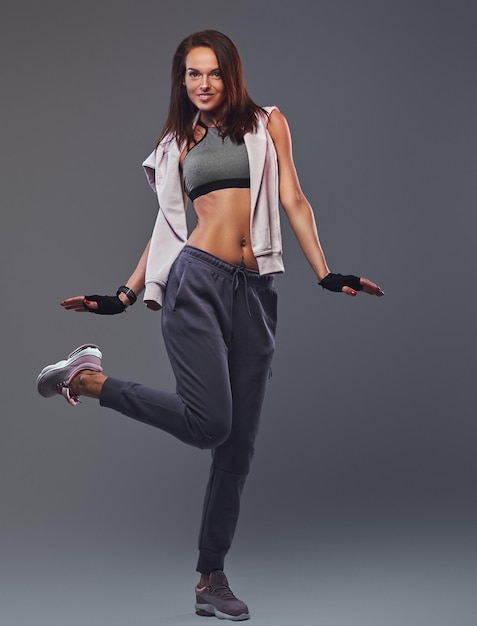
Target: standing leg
x=250 y=354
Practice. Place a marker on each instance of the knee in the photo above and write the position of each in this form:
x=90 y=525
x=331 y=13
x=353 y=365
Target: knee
x=211 y=430
x=214 y=436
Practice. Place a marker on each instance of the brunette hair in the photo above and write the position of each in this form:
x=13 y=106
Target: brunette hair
x=240 y=114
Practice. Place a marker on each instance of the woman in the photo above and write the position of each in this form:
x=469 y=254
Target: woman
x=214 y=286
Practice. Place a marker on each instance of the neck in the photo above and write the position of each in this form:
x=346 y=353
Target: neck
x=207 y=121
x=210 y=118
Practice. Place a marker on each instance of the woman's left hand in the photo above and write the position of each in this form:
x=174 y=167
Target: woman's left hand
x=349 y=284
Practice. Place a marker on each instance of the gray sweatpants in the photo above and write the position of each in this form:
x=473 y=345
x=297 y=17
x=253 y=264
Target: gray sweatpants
x=218 y=323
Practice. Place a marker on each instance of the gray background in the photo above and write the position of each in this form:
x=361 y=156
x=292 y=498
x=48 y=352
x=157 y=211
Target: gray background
x=361 y=505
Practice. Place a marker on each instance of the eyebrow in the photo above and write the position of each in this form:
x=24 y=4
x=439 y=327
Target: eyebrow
x=215 y=69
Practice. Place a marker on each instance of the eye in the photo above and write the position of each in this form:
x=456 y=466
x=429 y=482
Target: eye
x=216 y=74
x=193 y=74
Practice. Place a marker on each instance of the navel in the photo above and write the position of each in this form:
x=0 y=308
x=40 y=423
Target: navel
x=243 y=243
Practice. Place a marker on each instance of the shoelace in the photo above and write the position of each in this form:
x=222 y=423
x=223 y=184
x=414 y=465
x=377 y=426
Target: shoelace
x=222 y=591
x=64 y=389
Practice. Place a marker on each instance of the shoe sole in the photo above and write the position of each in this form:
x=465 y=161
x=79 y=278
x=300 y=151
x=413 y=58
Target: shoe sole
x=208 y=610
x=82 y=358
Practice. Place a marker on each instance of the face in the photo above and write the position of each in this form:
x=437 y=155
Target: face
x=203 y=82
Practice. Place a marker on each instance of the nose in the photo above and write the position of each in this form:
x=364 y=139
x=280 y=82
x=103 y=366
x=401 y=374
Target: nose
x=204 y=83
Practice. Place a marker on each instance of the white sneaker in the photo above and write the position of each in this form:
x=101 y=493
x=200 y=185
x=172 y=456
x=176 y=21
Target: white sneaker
x=55 y=379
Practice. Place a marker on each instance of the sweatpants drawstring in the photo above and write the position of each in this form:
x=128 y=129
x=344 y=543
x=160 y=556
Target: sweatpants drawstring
x=240 y=271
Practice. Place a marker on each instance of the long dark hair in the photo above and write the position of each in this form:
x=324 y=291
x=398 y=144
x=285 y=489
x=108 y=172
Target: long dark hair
x=240 y=113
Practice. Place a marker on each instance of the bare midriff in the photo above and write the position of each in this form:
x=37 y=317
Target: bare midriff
x=223 y=222
x=223 y=226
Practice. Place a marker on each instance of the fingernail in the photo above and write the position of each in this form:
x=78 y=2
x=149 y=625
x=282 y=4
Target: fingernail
x=87 y=301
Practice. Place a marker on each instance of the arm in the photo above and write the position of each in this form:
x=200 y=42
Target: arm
x=135 y=282
x=137 y=279
x=297 y=207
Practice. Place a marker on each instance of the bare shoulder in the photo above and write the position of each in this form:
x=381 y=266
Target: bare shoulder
x=277 y=123
x=279 y=131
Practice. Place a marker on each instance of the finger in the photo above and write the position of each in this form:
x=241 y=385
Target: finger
x=371 y=288
x=349 y=291
x=375 y=291
x=74 y=306
x=69 y=303
x=90 y=305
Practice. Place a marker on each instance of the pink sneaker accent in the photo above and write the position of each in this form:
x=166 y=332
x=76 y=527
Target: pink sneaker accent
x=55 y=379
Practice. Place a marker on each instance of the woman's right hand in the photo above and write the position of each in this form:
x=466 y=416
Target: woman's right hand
x=102 y=305
x=110 y=305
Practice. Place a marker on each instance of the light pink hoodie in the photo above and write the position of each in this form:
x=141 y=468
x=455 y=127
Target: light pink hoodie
x=170 y=230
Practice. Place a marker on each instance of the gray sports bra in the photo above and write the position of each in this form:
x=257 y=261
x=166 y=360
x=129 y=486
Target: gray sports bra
x=215 y=163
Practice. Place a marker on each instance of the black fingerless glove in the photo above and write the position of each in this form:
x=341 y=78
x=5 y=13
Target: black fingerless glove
x=107 y=305
x=335 y=282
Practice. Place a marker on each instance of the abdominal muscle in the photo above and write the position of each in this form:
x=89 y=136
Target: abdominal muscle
x=223 y=226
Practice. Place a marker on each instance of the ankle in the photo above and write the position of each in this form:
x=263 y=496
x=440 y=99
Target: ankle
x=203 y=582
x=87 y=383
